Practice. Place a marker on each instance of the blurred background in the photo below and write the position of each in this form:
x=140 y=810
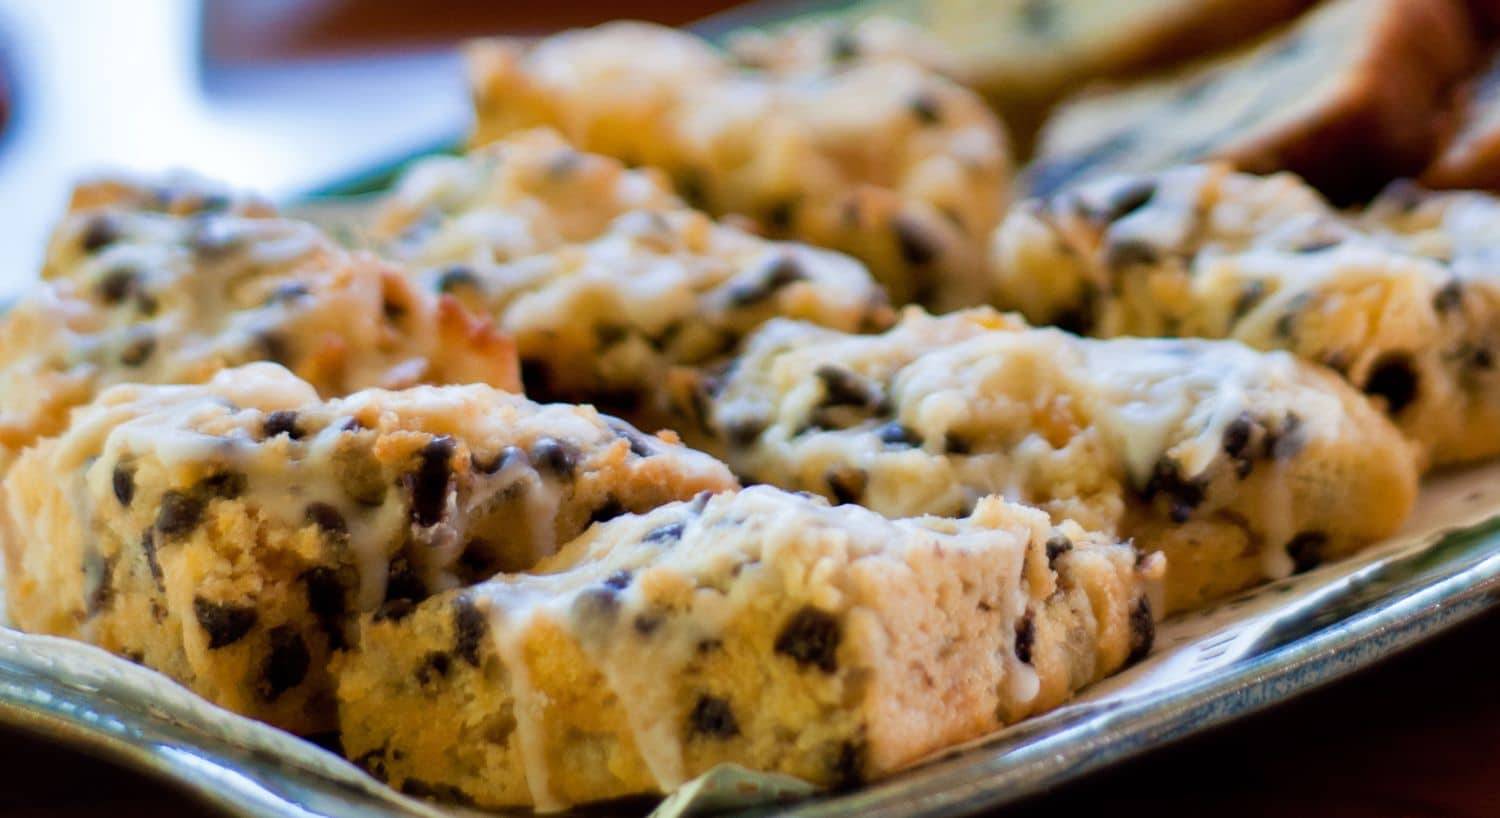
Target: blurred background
x=275 y=95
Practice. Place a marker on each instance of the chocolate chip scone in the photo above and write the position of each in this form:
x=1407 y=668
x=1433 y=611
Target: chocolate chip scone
x=1238 y=465
x=226 y=533
x=1021 y=54
x=1401 y=298
x=527 y=194
x=1350 y=97
x=1471 y=158
x=760 y=628
x=893 y=164
x=606 y=309
x=133 y=294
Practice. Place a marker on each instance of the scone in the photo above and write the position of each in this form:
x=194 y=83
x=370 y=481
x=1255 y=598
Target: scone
x=527 y=194
x=760 y=628
x=1350 y=97
x=1021 y=54
x=226 y=533
x=891 y=163
x=1238 y=465
x=134 y=294
x=605 y=306
x=1401 y=298
x=1471 y=158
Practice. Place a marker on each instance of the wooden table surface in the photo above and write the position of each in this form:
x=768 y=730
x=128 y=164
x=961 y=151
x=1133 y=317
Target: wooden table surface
x=1418 y=736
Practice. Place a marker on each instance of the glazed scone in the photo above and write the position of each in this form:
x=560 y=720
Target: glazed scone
x=1402 y=298
x=891 y=163
x=1471 y=159
x=226 y=533
x=527 y=194
x=136 y=295
x=1238 y=465
x=605 y=307
x=179 y=193
x=1021 y=54
x=760 y=628
x=1349 y=97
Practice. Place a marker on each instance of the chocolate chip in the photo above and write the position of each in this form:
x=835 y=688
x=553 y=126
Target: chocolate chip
x=1057 y=545
x=1126 y=199
x=98 y=592
x=811 y=638
x=224 y=623
x=273 y=347
x=619 y=580
x=646 y=624
x=393 y=311
x=435 y=665
x=1250 y=295
x=282 y=422
x=327 y=518
x=956 y=444
x=847 y=769
x=100 y=232
x=556 y=456
x=287 y=293
x=286 y=665
x=179 y=513
x=1123 y=253
x=640 y=445
x=222 y=484
x=777 y=273
x=1183 y=495
x=779 y=216
x=895 y=434
x=843 y=46
x=669 y=533
x=1449 y=298
x=744 y=432
x=712 y=717
x=847 y=485
x=138 y=350
x=917 y=248
x=325 y=599
x=124 y=483
x=1306 y=550
x=116 y=285
x=842 y=387
x=394 y=610
x=1025 y=636
x=148 y=549
x=596 y=605
x=926 y=108
x=1142 y=630
x=1237 y=435
x=506 y=458
x=469 y=629
x=373 y=762
x=456 y=277
x=429 y=483
x=1287 y=441
x=610 y=509
x=1393 y=378
x=403 y=582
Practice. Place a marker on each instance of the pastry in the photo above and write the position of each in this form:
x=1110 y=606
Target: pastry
x=227 y=533
x=132 y=294
x=606 y=300
x=760 y=628
x=1238 y=465
x=889 y=162
x=1400 y=298
x=1350 y=97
